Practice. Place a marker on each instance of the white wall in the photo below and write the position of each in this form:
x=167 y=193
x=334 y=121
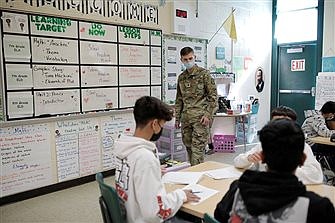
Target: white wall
x=329 y=29
x=253 y=25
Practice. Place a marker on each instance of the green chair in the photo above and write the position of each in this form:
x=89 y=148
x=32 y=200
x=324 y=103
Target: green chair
x=109 y=203
x=209 y=219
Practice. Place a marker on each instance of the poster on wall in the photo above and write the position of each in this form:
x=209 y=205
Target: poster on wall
x=173 y=67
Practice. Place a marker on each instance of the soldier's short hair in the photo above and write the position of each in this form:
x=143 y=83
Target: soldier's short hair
x=284 y=111
x=148 y=108
x=283 y=144
x=186 y=50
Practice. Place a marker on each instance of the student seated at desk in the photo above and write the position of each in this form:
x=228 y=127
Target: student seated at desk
x=275 y=195
x=309 y=173
x=316 y=123
x=138 y=173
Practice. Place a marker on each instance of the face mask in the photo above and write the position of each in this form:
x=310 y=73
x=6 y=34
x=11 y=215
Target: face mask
x=189 y=64
x=155 y=136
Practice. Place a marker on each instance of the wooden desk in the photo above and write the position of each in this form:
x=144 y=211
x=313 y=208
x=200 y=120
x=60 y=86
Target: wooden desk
x=209 y=205
x=322 y=140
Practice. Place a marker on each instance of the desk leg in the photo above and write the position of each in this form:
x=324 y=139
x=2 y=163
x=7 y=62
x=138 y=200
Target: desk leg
x=244 y=138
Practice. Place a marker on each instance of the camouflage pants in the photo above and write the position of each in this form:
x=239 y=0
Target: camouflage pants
x=195 y=138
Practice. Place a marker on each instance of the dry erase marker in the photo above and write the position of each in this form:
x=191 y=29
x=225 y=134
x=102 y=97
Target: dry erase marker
x=196 y=192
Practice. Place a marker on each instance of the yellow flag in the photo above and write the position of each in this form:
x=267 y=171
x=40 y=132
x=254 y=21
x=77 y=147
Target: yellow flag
x=229 y=26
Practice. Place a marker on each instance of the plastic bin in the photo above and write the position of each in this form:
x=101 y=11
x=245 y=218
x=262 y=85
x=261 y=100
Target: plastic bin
x=171 y=133
x=224 y=143
x=254 y=108
x=181 y=156
x=166 y=146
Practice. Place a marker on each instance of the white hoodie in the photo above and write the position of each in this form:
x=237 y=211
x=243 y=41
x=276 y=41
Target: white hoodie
x=309 y=173
x=138 y=182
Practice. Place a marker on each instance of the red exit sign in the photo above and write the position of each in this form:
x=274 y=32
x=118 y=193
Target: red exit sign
x=298 y=65
x=181 y=13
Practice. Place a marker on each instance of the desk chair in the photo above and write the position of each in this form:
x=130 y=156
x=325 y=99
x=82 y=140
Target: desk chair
x=109 y=203
x=209 y=219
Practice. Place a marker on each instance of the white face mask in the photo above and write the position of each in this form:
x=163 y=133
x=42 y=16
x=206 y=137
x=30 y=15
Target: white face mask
x=189 y=64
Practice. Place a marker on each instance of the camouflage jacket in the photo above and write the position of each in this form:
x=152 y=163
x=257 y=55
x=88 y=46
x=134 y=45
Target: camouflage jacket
x=196 y=95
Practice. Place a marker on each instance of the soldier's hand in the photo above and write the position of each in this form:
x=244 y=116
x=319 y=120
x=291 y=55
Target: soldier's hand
x=177 y=124
x=204 y=121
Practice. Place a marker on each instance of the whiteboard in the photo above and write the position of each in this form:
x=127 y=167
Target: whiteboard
x=25 y=158
x=99 y=99
x=134 y=55
x=55 y=63
x=94 y=76
x=128 y=95
x=325 y=88
x=98 y=53
x=56 y=102
x=52 y=50
x=134 y=76
x=55 y=76
x=156 y=91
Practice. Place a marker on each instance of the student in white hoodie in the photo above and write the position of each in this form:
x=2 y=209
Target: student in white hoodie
x=309 y=173
x=138 y=172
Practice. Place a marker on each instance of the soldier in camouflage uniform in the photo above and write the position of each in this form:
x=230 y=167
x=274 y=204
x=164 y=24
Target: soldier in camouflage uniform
x=196 y=102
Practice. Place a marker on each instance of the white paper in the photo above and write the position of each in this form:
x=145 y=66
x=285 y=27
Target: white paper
x=227 y=172
x=182 y=177
x=201 y=191
x=20 y=103
x=16 y=48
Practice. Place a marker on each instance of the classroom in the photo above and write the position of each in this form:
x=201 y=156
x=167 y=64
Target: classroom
x=77 y=75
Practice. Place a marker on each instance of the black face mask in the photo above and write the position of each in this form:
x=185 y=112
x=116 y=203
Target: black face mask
x=155 y=136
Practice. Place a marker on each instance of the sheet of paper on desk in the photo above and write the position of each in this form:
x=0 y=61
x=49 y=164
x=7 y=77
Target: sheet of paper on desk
x=227 y=172
x=182 y=177
x=200 y=191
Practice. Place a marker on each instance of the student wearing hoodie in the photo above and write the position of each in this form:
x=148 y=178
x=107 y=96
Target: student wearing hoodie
x=309 y=173
x=275 y=195
x=138 y=172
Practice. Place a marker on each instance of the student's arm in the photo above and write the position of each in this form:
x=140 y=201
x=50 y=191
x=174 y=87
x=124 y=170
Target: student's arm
x=156 y=205
x=310 y=172
x=212 y=96
x=223 y=208
x=319 y=125
x=178 y=103
x=241 y=161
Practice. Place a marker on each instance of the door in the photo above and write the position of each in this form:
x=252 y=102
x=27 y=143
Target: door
x=296 y=77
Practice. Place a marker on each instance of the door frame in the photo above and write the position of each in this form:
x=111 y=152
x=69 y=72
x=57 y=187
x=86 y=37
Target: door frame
x=274 y=100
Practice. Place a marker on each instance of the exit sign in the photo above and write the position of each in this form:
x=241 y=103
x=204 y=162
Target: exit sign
x=298 y=65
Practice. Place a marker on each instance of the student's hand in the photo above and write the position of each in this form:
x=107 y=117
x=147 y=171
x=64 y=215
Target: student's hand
x=204 y=121
x=255 y=157
x=177 y=124
x=163 y=169
x=190 y=197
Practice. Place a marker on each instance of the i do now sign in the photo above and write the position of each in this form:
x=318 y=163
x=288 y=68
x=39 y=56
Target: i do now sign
x=298 y=65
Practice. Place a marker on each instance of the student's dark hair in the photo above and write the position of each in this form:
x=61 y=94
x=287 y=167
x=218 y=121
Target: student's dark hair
x=328 y=107
x=284 y=111
x=148 y=108
x=185 y=51
x=283 y=144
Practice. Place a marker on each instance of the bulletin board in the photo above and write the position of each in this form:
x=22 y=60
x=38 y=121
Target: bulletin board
x=58 y=66
x=172 y=64
x=325 y=88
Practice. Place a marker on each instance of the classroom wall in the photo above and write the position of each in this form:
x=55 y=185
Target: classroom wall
x=329 y=29
x=252 y=49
